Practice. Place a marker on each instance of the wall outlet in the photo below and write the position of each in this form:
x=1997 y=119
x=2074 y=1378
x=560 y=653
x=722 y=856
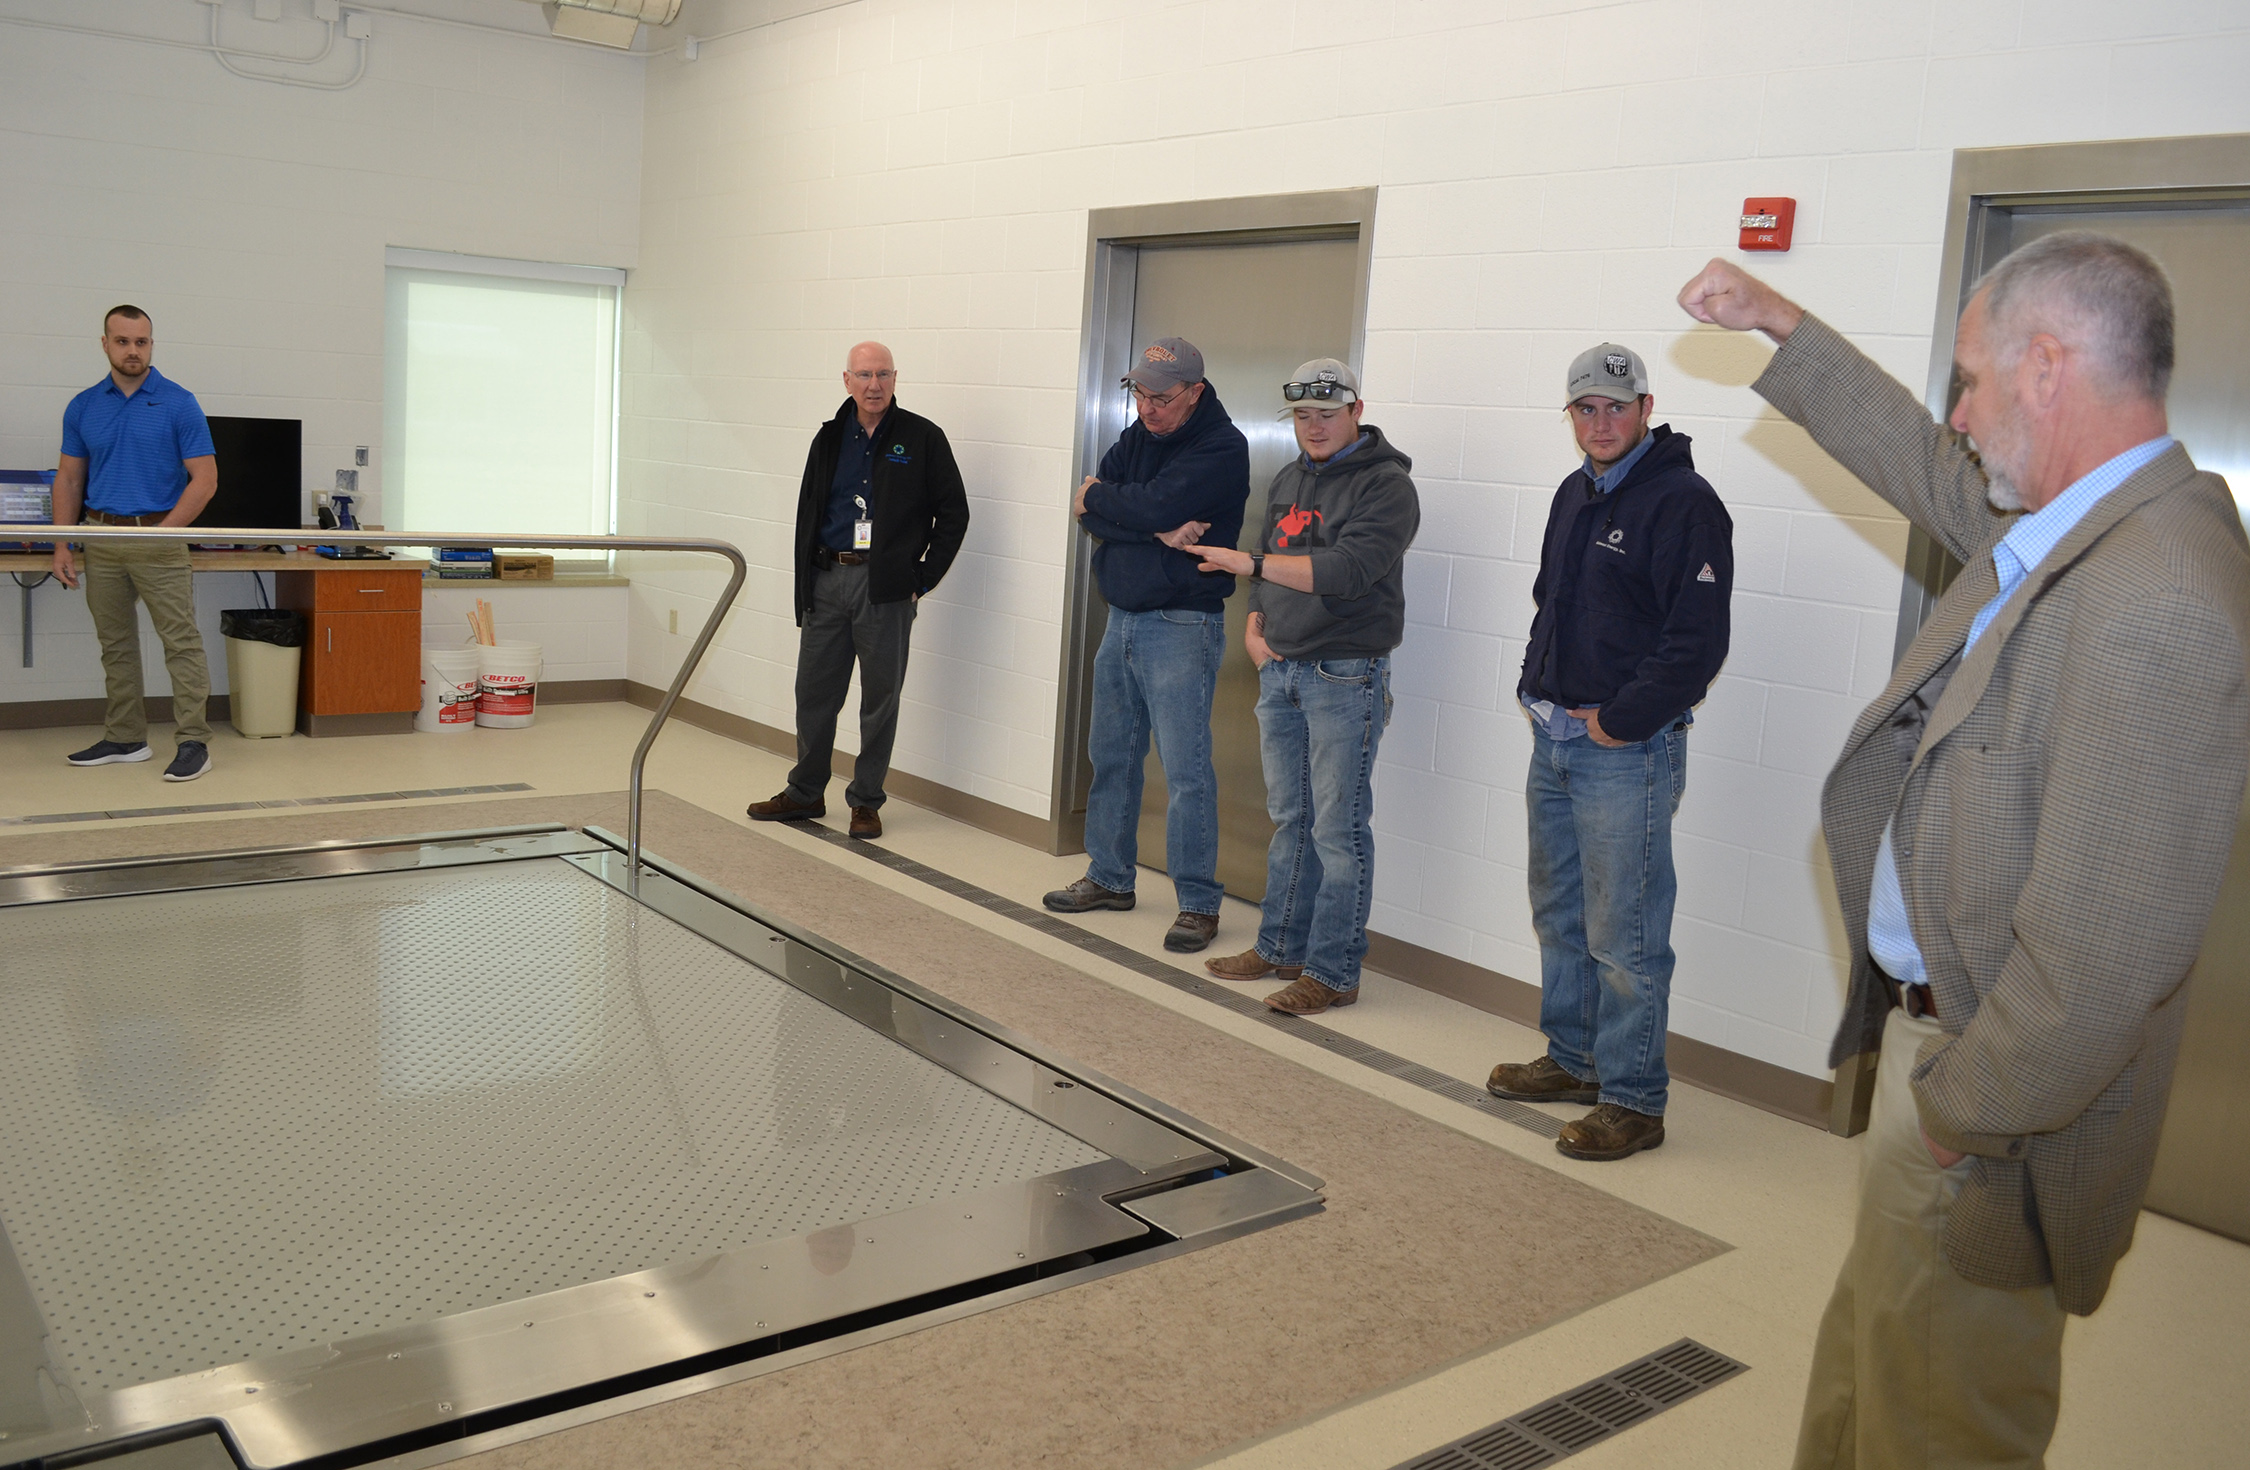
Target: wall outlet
x=327 y=10
x=672 y=620
x=358 y=25
x=359 y=456
x=267 y=9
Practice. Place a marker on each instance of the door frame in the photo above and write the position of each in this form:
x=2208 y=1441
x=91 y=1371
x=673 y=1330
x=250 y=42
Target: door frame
x=1990 y=184
x=1114 y=238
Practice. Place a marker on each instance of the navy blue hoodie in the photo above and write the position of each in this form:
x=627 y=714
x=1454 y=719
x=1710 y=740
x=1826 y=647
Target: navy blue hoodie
x=1198 y=472
x=1632 y=594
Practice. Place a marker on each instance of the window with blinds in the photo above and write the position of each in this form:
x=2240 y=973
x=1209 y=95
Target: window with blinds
x=499 y=395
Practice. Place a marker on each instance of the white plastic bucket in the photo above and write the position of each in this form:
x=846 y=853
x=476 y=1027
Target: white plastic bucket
x=507 y=684
x=449 y=690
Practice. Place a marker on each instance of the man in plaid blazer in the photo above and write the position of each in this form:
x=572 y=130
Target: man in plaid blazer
x=2028 y=829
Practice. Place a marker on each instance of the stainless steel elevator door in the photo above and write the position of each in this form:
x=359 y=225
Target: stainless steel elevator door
x=2206 y=252
x=2203 y=1167
x=1255 y=311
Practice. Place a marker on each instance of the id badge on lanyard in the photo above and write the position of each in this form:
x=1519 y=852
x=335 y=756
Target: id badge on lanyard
x=863 y=529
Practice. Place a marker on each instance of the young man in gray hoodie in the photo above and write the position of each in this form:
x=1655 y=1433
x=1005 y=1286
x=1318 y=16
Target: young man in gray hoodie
x=1327 y=606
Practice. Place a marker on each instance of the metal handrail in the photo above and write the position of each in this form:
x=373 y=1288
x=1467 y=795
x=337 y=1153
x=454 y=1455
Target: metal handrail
x=216 y=535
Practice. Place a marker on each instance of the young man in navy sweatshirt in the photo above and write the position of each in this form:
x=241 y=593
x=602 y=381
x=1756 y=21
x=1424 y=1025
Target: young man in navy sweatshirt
x=1179 y=472
x=1631 y=628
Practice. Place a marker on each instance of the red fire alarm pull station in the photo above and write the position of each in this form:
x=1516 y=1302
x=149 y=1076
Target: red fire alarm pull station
x=1766 y=223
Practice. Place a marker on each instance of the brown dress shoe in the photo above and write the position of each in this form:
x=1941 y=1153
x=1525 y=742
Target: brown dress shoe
x=1541 y=1080
x=1308 y=997
x=1191 y=932
x=784 y=808
x=867 y=823
x=1610 y=1131
x=1250 y=965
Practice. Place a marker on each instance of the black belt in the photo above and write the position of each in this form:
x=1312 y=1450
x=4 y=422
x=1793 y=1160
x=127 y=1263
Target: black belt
x=1916 y=1000
x=827 y=558
x=105 y=518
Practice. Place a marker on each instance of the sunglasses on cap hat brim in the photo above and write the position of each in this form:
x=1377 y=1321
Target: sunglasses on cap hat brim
x=1322 y=392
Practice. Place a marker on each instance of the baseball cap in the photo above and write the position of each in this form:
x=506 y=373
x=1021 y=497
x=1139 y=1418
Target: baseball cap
x=1166 y=363
x=1606 y=371
x=1322 y=382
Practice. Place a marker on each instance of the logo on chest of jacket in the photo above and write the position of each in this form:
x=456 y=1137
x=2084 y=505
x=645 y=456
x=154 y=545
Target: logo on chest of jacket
x=1615 y=541
x=898 y=455
x=1295 y=522
x=1706 y=575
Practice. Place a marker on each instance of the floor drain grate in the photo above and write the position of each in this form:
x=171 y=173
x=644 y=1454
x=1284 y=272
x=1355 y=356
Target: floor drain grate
x=1589 y=1413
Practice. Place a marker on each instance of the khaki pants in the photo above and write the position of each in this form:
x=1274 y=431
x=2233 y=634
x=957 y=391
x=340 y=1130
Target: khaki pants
x=1915 y=1366
x=157 y=573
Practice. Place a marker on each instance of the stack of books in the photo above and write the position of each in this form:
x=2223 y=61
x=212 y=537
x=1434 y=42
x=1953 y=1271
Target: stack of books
x=464 y=563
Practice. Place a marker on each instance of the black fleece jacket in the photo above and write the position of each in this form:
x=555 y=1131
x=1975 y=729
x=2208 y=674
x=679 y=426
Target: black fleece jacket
x=920 y=508
x=1198 y=472
x=1632 y=593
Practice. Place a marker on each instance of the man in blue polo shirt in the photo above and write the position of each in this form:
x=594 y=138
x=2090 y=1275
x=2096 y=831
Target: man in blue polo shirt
x=137 y=452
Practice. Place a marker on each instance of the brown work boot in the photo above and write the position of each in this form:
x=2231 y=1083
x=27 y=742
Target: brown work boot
x=867 y=823
x=1308 y=997
x=1086 y=895
x=1191 y=932
x=1610 y=1131
x=1250 y=965
x=786 y=808
x=1542 y=1080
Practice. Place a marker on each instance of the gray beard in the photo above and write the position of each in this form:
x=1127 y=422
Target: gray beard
x=2002 y=492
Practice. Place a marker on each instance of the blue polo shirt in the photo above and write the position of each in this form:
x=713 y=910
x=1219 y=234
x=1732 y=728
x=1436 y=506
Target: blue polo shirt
x=134 y=447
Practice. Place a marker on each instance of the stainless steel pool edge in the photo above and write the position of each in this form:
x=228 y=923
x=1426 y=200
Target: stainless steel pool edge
x=1123 y=1092
x=685 y=1387
x=242 y=867
x=360 y=1391
x=340 y=844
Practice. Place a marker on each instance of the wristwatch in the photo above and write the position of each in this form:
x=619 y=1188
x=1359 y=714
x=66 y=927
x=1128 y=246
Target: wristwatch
x=1257 y=566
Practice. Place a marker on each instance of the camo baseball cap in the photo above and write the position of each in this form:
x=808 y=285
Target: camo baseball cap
x=1606 y=371
x=1166 y=363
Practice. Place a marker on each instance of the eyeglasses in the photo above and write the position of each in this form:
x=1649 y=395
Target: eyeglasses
x=1320 y=392
x=1135 y=390
x=864 y=376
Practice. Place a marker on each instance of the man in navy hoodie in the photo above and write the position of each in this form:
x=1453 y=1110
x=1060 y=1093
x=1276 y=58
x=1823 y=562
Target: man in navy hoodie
x=1631 y=628
x=1180 y=473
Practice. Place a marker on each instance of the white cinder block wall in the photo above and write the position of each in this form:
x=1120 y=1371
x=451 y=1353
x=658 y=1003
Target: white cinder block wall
x=1550 y=172
x=250 y=218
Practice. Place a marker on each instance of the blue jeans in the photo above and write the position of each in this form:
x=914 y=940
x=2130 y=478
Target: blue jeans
x=1602 y=888
x=1319 y=722
x=1156 y=673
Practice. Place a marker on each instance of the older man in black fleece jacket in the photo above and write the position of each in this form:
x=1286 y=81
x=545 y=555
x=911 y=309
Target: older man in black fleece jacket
x=1179 y=471
x=1633 y=590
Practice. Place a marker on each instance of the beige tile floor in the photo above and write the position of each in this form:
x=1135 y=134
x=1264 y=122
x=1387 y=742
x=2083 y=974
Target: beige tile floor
x=2161 y=1375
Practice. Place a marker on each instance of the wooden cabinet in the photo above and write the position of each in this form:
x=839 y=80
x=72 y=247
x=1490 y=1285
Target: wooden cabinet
x=361 y=673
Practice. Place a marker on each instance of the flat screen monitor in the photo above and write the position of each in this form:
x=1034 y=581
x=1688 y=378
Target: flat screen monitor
x=27 y=497
x=261 y=474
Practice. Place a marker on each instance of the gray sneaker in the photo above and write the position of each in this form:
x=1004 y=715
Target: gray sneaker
x=105 y=752
x=1086 y=895
x=189 y=762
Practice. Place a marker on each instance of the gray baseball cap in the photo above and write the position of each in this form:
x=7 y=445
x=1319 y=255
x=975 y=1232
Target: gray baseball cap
x=1166 y=363
x=1607 y=371
x=1322 y=383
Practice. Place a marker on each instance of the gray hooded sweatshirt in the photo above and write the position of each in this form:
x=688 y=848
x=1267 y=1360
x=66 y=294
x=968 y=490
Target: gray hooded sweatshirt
x=1354 y=516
